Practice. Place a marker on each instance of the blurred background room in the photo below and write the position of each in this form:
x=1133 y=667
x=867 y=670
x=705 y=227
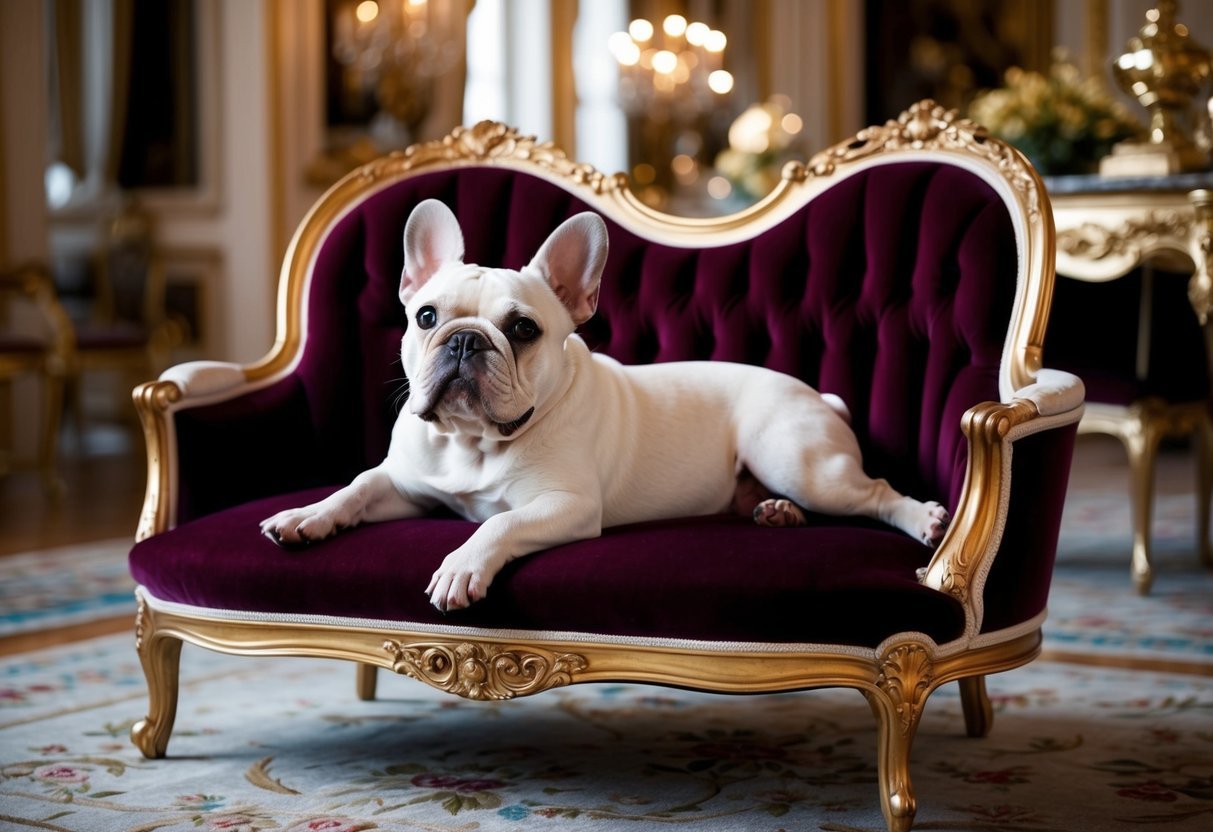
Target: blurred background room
x=156 y=156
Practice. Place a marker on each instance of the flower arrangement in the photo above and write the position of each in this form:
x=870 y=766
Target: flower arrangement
x=761 y=140
x=1061 y=121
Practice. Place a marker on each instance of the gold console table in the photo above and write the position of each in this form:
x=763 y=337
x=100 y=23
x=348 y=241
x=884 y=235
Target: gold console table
x=1106 y=228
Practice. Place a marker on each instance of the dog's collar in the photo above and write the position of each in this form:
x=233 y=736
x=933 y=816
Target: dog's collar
x=507 y=429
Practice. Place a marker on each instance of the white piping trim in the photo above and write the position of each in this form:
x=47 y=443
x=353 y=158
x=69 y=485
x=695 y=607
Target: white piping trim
x=936 y=651
x=541 y=636
x=1008 y=633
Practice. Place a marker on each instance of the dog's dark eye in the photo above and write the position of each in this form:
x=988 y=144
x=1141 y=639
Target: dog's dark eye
x=427 y=317
x=524 y=329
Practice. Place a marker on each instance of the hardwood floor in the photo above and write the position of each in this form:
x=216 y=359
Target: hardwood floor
x=104 y=478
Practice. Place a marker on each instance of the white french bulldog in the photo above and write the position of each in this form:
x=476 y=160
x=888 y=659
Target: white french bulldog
x=511 y=421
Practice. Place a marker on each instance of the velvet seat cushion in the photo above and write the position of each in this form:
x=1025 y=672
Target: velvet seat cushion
x=719 y=578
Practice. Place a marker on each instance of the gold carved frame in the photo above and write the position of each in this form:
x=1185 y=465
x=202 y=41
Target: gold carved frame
x=896 y=677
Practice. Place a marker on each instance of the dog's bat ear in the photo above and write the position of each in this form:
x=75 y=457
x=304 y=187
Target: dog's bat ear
x=431 y=239
x=571 y=260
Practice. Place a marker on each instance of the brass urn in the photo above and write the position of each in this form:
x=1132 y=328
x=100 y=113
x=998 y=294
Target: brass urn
x=1164 y=69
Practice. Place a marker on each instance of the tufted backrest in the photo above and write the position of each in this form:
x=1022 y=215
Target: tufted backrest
x=893 y=288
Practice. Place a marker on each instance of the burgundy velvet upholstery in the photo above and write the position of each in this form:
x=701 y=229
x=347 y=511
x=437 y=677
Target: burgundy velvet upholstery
x=892 y=289
x=715 y=578
x=1029 y=541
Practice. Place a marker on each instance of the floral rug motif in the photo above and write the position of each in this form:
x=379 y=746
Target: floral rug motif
x=284 y=744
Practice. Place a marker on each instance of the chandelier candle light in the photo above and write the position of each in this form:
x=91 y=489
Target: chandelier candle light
x=394 y=50
x=675 y=71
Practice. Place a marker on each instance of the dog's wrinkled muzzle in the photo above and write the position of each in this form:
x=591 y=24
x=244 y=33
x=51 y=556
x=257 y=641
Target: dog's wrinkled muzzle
x=458 y=360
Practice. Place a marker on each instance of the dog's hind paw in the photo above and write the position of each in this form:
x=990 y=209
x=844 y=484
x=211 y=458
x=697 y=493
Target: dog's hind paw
x=937 y=520
x=778 y=513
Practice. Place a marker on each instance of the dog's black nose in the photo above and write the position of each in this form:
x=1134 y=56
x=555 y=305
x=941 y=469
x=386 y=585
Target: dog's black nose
x=465 y=343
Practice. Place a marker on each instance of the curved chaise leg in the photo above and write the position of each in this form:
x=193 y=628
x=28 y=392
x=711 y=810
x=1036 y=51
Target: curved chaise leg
x=894 y=738
x=160 y=656
x=366 y=681
x=1204 y=488
x=1142 y=446
x=975 y=702
x=905 y=681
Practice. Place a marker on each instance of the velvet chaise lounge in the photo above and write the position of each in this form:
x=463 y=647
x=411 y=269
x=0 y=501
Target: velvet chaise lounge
x=908 y=270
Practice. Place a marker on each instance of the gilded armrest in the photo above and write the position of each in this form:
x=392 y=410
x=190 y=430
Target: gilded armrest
x=231 y=417
x=967 y=553
x=205 y=379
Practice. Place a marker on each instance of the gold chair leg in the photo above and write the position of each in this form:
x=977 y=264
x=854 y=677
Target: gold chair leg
x=160 y=656
x=1142 y=446
x=1204 y=488
x=366 y=681
x=975 y=702
x=895 y=734
x=906 y=678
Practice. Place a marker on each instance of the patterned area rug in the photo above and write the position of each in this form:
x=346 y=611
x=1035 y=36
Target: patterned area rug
x=59 y=587
x=1093 y=608
x=283 y=744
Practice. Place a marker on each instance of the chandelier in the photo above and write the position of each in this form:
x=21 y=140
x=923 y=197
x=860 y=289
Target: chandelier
x=675 y=72
x=393 y=49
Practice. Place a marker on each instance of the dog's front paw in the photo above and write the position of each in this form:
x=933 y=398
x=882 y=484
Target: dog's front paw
x=299 y=526
x=935 y=524
x=460 y=581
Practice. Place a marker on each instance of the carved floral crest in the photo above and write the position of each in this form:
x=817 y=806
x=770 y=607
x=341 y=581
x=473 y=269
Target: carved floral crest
x=1092 y=241
x=484 y=671
x=493 y=141
x=925 y=126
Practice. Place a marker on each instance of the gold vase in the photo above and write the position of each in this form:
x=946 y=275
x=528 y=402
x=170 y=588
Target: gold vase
x=1164 y=69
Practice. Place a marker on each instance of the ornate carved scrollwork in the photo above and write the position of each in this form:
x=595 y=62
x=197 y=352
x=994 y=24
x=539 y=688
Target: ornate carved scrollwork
x=1200 y=287
x=1095 y=242
x=484 y=671
x=491 y=140
x=926 y=125
x=956 y=561
x=955 y=583
x=906 y=677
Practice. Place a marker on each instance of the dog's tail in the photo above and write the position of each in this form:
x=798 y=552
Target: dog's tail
x=838 y=406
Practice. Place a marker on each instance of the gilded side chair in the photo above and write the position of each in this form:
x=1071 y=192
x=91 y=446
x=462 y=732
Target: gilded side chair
x=36 y=340
x=126 y=330
x=908 y=270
